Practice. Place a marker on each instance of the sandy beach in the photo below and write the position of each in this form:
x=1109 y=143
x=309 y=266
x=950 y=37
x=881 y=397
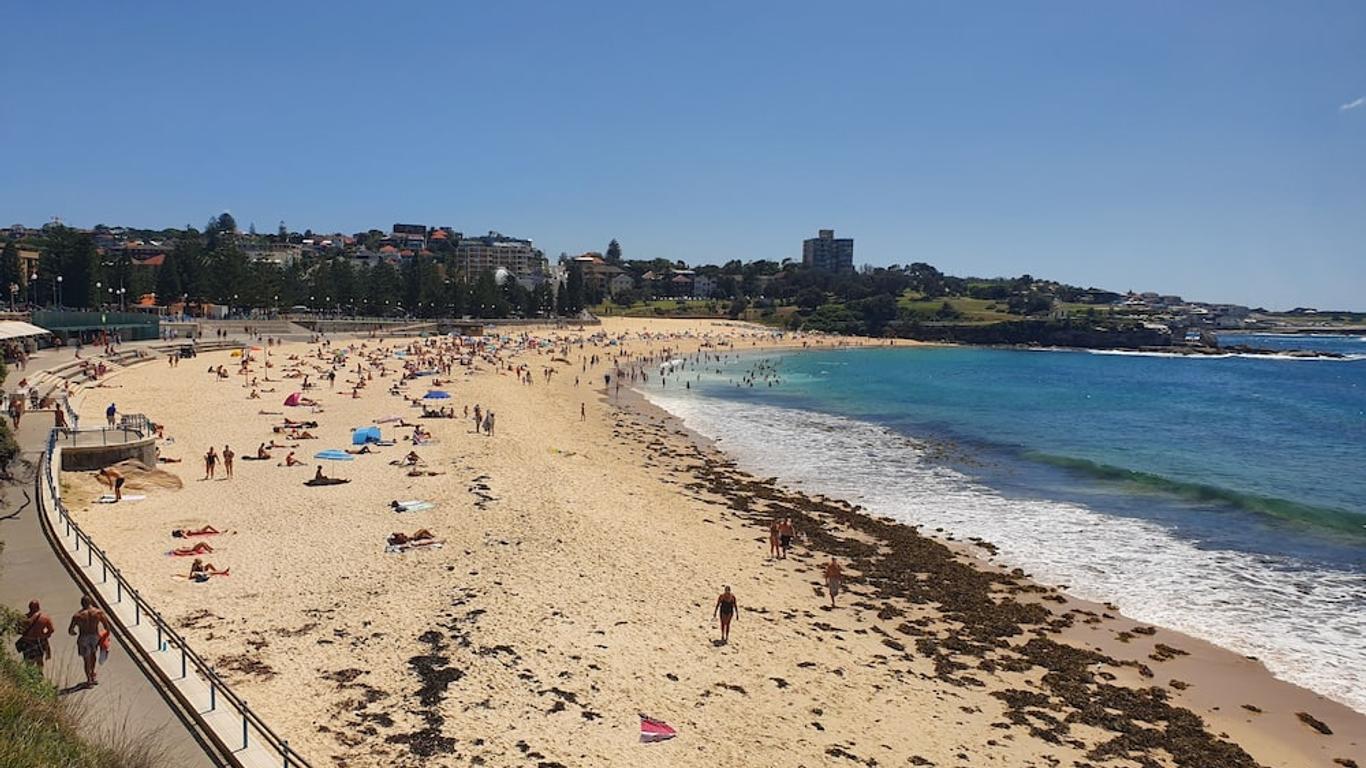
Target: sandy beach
x=583 y=546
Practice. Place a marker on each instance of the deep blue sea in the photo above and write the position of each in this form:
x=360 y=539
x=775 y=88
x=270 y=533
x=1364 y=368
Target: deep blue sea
x=1225 y=496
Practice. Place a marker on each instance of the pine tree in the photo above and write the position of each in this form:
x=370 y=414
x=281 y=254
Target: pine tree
x=614 y=252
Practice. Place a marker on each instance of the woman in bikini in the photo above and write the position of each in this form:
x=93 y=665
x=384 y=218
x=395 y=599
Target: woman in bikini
x=208 y=530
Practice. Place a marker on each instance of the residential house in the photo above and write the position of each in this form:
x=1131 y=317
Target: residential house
x=704 y=287
x=621 y=283
x=597 y=274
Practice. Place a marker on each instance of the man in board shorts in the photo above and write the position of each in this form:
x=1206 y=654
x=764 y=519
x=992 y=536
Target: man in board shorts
x=785 y=532
x=33 y=643
x=115 y=480
x=834 y=579
x=86 y=626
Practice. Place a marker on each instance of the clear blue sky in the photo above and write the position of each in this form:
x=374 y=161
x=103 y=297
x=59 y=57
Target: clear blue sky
x=1200 y=148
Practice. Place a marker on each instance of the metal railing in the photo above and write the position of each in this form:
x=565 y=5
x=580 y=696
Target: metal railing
x=78 y=438
x=167 y=638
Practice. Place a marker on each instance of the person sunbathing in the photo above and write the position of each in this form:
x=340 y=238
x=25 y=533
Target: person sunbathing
x=411 y=460
x=420 y=535
x=290 y=461
x=304 y=435
x=202 y=571
x=167 y=460
x=200 y=548
x=208 y=530
x=320 y=479
x=364 y=449
x=279 y=446
x=261 y=452
x=415 y=472
x=304 y=424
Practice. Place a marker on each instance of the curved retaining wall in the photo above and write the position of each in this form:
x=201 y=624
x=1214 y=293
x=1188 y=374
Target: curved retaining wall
x=98 y=455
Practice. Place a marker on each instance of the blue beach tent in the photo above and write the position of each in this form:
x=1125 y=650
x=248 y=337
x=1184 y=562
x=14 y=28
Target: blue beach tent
x=363 y=435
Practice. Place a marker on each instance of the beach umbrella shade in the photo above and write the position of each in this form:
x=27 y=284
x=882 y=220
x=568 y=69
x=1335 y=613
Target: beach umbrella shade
x=363 y=435
x=293 y=399
x=437 y=394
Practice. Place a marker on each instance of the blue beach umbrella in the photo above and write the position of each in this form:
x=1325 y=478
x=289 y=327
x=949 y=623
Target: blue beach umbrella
x=438 y=394
x=334 y=454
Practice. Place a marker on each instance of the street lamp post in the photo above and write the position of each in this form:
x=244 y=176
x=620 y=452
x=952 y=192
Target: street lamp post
x=98 y=286
x=59 y=291
x=32 y=289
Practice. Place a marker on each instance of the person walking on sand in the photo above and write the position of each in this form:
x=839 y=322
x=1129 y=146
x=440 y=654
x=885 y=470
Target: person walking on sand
x=33 y=642
x=834 y=579
x=727 y=608
x=86 y=625
x=773 y=548
x=210 y=463
x=785 y=532
x=583 y=412
x=227 y=461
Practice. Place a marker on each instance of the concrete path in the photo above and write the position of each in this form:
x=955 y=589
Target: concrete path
x=125 y=706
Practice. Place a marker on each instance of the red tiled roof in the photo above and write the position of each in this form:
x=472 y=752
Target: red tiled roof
x=153 y=261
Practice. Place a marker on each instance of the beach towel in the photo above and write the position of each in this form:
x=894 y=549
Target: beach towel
x=325 y=481
x=652 y=730
x=414 y=505
x=109 y=499
x=104 y=646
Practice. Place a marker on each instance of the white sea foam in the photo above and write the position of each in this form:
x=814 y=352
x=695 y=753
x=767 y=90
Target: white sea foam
x=1222 y=356
x=1307 y=625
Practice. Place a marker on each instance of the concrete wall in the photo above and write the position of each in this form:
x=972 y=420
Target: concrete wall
x=88 y=458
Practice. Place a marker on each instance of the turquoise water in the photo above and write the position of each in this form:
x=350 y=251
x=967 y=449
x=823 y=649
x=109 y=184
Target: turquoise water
x=1225 y=497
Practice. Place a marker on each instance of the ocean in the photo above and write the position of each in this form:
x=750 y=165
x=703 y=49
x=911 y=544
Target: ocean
x=1224 y=497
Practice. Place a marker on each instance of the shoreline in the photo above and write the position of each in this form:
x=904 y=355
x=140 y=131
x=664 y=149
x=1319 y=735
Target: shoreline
x=560 y=508
x=1184 y=670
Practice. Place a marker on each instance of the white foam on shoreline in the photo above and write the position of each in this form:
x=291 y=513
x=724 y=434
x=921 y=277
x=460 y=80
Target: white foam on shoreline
x=1221 y=356
x=1307 y=625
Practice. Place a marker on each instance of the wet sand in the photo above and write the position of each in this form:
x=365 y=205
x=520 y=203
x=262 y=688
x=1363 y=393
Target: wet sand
x=575 y=589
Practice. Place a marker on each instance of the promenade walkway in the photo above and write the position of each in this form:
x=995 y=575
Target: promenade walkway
x=126 y=706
